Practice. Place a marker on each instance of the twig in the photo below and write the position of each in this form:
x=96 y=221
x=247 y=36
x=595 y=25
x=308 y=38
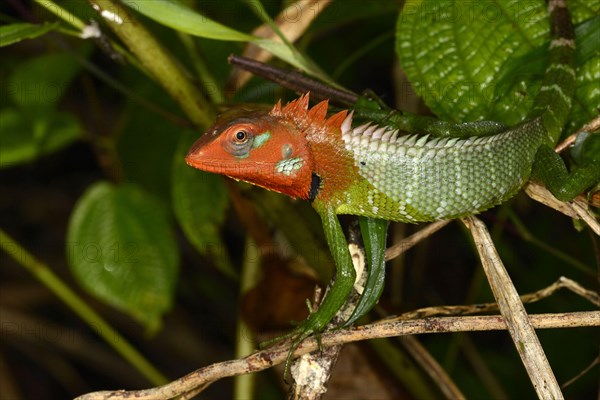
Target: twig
x=579 y=375
x=294 y=80
x=591 y=126
x=267 y=358
x=431 y=367
x=519 y=325
x=576 y=208
x=561 y=283
x=407 y=243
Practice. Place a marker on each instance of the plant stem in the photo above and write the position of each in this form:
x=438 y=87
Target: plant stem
x=45 y=275
x=163 y=67
x=62 y=13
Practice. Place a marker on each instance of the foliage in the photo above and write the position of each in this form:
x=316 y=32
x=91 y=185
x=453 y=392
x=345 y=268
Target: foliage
x=137 y=207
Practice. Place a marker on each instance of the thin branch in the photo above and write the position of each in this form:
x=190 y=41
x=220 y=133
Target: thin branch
x=407 y=243
x=294 y=80
x=431 y=367
x=562 y=283
x=267 y=358
x=591 y=126
x=579 y=375
x=518 y=323
x=576 y=208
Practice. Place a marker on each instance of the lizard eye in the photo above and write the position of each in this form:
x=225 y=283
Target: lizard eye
x=239 y=142
x=241 y=137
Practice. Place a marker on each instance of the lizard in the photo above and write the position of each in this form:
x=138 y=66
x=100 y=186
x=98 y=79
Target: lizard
x=376 y=172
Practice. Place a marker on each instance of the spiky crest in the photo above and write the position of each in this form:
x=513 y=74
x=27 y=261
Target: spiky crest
x=298 y=112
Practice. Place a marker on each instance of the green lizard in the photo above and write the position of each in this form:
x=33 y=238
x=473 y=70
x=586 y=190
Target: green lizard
x=380 y=174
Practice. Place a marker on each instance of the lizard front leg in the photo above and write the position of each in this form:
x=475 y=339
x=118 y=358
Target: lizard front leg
x=343 y=283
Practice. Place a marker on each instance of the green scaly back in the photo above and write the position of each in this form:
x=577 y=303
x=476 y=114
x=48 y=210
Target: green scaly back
x=419 y=178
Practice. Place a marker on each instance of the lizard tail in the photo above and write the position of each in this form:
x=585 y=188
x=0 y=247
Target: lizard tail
x=553 y=102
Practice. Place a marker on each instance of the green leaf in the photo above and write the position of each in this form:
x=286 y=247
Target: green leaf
x=14 y=33
x=292 y=57
x=454 y=50
x=175 y=15
x=452 y=66
x=41 y=82
x=121 y=249
x=200 y=201
x=587 y=95
x=27 y=136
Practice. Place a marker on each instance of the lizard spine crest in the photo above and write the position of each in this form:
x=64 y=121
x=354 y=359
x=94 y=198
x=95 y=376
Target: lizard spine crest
x=298 y=112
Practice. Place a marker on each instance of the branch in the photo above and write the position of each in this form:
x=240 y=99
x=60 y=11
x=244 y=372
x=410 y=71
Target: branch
x=562 y=283
x=294 y=80
x=267 y=358
x=407 y=243
x=591 y=126
x=518 y=322
x=576 y=208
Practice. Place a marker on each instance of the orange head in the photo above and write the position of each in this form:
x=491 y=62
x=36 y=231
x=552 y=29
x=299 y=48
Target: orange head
x=272 y=150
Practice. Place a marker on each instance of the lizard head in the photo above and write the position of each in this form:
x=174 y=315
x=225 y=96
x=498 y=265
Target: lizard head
x=271 y=150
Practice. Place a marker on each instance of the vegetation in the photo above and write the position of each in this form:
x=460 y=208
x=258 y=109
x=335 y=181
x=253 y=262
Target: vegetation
x=161 y=269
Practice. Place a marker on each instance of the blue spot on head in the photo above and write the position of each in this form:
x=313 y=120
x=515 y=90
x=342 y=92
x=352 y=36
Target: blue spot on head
x=261 y=139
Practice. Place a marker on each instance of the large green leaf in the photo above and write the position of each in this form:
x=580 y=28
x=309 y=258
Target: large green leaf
x=587 y=95
x=25 y=136
x=121 y=248
x=200 y=202
x=454 y=50
x=14 y=33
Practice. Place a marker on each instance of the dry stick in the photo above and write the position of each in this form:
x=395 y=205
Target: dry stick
x=519 y=326
x=576 y=208
x=405 y=244
x=591 y=126
x=562 y=282
x=276 y=355
x=587 y=369
x=431 y=367
x=580 y=206
x=294 y=80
